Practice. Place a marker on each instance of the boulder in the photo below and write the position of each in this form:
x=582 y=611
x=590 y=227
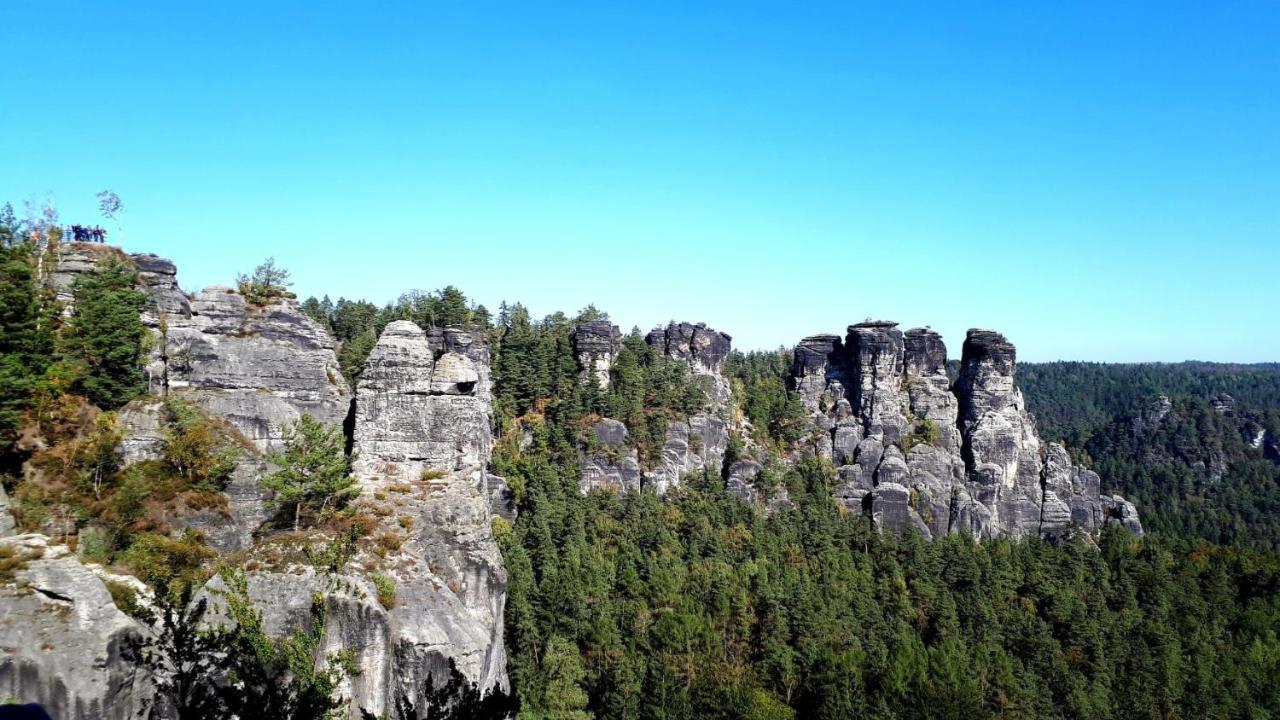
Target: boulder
x=62 y=639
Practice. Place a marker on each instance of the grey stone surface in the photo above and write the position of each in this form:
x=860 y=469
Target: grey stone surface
x=424 y=424
x=612 y=463
x=966 y=454
x=694 y=343
x=7 y=525
x=261 y=368
x=142 y=422
x=697 y=444
x=596 y=344
x=62 y=639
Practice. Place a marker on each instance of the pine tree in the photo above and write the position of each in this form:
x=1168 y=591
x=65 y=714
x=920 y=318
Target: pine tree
x=23 y=345
x=103 y=340
x=314 y=473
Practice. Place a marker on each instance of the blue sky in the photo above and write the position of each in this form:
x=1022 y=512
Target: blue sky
x=1097 y=180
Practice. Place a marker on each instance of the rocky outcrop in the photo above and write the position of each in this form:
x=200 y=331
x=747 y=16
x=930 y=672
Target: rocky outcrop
x=699 y=443
x=1001 y=449
x=416 y=414
x=596 y=344
x=697 y=345
x=916 y=452
x=422 y=432
x=62 y=639
x=423 y=439
x=7 y=525
x=607 y=460
x=261 y=368
x=740 y=481
x=226 y=529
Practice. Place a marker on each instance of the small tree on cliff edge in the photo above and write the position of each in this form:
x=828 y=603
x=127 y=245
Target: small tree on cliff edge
x=314 y=473
x=267 y=284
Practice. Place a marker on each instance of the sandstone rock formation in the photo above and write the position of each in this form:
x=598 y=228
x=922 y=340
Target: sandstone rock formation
x=421 y=426
x=596 y=344
x=261 y=368
x=916 y=451
x=609 y=462
x=7 y=525
x=699 y=443
x=62 y=638
x=740 y=481
x=423 y=439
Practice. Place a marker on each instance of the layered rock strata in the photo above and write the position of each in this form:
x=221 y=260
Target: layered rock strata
x=595 y=345
x=915 y=451
x=699 y=443
x=423 y=440
x=62 y=639
x=609 y=461
x=423 y=435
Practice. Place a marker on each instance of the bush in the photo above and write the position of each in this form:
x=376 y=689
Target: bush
x=266 y=285
x=93 y=544
x=386 y=587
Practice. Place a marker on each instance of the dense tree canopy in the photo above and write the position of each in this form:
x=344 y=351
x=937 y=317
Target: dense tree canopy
x=103 y=340
x=1204 y=465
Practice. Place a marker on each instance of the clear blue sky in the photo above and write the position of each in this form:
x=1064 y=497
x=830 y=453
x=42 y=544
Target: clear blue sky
x=1097 y=180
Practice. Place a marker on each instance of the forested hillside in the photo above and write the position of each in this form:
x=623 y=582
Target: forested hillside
x=700 y=605
x=765 y=599
x=1195 y=445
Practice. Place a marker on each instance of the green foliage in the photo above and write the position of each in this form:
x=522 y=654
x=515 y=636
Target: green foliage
x=205 y=671
x=357 y=324
x=93 y=544
x=125 y=598
x=699 y=605
x=562 y=696
x=104 y=337
x=354 y=353
x=333 y=556
x=24 y=342
x=536 y=380
x=280 y=677
x=171 y=565
x=200 y=449
x=314 y=474
x=1195 y=471
x=777 y=417
x=923 y=431
x=386 y=588
x=267 y=284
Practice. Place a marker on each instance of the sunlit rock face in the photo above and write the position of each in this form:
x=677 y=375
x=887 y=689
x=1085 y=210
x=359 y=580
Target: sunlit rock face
x=422 y=440
x=918 y=452
x=595 y=345
x=261 y=368
x=62 y=639
x=697 y=444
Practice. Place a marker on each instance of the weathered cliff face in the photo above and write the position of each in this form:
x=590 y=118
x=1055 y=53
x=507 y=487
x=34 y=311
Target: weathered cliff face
x=698 y=443
x=261 y=368
x=422 y=431
x=596 y=344
x=691 y=445
x=610 y=462
x=7 y=525
x=423 y=438
x=918 y=452
x=62 y=638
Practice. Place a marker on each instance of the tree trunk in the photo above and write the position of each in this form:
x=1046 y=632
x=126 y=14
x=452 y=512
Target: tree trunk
x=297 y=514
